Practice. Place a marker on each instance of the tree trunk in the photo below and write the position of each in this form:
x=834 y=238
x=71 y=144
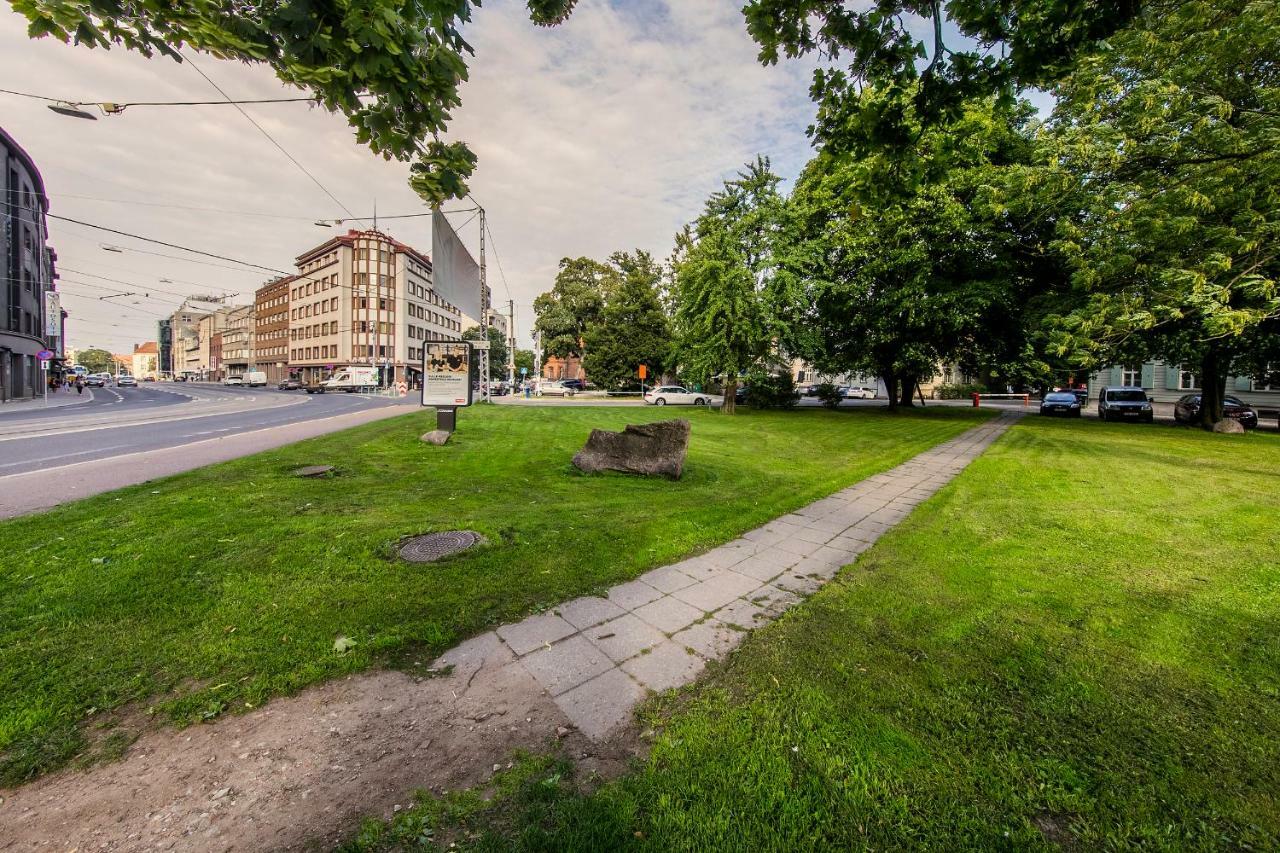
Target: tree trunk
x=730 y=391
x=891 y=389
x=907 y=390
x=1213 y=387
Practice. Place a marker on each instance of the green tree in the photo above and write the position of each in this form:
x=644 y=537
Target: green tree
x=497 y=351
x=96 y=361
x=576 y=300
x=632 y=328
x=724 y=315
x=1167 y=139
x=392 y=68
x=524 y=358
x=900 y=259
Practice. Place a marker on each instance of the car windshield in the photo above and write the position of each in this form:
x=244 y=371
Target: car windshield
x=1134 y=396
x=1233 y=401
x=1060 y=398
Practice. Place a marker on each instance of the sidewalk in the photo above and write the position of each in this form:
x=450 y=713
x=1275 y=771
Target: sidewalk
x=58 y=398
x=300 y=772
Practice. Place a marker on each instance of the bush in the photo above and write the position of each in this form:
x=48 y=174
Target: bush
x=830 y=395
x=957 y=392
x=772 y=391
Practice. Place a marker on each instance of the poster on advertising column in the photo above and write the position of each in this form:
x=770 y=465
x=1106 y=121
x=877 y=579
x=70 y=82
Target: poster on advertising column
x=446 y=373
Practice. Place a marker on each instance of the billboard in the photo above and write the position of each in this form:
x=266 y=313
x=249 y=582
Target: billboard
x=446 y=373
x=454 y=273
x=52 y=314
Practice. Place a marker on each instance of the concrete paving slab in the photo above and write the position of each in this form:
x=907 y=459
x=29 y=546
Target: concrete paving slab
x=664 y=666
x=589 y=610
x=634 y=594
x=717 y=592
x=697 y=568
x=743 y=613
x=767 y=564
x=774 y=601
x=667 y=579
x=712 y=639
x=669 y=614
x=602 y=704
x=624 y=637
x=541 y=630
x=566 y=665
x=798 y=546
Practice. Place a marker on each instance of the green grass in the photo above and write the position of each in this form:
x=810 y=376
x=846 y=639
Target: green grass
x=1075 y=644
x=217 y=589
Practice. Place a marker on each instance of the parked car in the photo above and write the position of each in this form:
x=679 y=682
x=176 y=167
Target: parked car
x=289 y=384
x=1187 y=410
x=853 y=392
x=127 y=382
x=148 y=379
x=675 y=395
x=1061 y=403
x=555 y=389
x=1124 y=403
x=255 y=379
x=740 y=395
x=233 y=380
x=94 y=380
x=1081 y=394
x=575 y=384
x=809 y=391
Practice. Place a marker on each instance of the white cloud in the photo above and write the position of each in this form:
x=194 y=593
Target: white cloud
x=605 y=133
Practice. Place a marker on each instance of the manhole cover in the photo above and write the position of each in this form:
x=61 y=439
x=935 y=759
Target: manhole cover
x=313 y=471
x=433 y=546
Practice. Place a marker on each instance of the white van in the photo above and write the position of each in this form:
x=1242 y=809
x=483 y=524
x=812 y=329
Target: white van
x=349 y=379
x=255 y=379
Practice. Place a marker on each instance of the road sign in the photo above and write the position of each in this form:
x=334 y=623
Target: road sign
x=644 y=371
x=523 y=371
x=44 y=355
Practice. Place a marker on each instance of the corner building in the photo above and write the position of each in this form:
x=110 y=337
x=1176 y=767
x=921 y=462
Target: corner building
x=365 y=298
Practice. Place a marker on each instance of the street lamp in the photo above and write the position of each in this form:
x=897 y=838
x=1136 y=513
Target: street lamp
x=72 y=110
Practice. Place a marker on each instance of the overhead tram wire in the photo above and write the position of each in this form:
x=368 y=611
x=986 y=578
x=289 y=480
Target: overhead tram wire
x=271 y=138
x=248 y=212
x=120 y=106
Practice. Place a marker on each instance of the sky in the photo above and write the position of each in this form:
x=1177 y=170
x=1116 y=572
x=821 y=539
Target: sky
x=606 y=133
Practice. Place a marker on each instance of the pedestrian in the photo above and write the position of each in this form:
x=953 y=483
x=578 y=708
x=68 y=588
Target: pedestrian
x=79 y=386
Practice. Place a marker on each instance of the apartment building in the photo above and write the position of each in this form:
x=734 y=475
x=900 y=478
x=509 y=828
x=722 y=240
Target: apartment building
x=237 y=342
x=365 y=298
x=271 y=329
x=144 y=361
x=1166 y=383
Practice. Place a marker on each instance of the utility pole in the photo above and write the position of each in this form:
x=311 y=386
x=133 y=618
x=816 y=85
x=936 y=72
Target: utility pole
x=484 y=318
x=511 y=342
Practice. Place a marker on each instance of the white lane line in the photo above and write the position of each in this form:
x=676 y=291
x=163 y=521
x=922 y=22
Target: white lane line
x=64 y=455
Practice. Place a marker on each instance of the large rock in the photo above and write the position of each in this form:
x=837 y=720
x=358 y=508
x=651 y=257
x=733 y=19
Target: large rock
x=438 y=437
x=1229 y=426
x=650 y=449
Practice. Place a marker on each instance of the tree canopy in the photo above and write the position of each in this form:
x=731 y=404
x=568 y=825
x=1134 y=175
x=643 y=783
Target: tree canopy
x=632 y=329
x=724 y=315
x=392 y=68
x=573 y=304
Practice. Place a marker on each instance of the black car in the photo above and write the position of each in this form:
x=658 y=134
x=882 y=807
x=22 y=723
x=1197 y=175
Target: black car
x=1060 y=403
x=1187 y=410
x=1125 y=404
x=575 y=384
x=289 y=384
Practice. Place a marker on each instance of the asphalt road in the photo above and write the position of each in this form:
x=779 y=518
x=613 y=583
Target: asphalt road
x=121 y=421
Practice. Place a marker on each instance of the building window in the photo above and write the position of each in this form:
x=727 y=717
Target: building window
x=1186 y=380
x=1131 y=376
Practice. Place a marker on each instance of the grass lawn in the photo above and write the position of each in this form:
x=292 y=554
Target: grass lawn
x=217 y=589
x=1075 y=644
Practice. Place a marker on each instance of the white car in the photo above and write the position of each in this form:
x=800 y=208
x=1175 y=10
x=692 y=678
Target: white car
x=675 y=395
x=555 y=389
x=853 y=392
x=126 y=381
x=233 y=380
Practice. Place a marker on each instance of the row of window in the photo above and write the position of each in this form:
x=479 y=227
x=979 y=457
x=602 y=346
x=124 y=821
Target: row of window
x=315 y=330
x=322 y=261
x=312 y=353
x=324 y=306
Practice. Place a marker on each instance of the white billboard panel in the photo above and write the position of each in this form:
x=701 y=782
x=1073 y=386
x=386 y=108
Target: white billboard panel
x=454 y=273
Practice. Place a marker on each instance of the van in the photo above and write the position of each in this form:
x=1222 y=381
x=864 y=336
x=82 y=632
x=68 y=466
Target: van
x=255 y=379
x=349 y=379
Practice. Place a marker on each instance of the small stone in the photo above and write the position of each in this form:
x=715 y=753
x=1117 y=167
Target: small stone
x=220 y=793
x=1228 y=427
x=438 y=437
x=562 y=731
x=497 y=767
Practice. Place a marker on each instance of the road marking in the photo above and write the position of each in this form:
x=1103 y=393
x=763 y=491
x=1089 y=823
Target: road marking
x=64 y=455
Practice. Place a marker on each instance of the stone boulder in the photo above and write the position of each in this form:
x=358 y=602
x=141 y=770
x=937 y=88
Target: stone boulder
x=438 y=437
x=1228 y=426
x=650 y=449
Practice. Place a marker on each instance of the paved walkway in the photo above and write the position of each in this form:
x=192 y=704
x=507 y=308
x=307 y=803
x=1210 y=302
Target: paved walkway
x=598 y=657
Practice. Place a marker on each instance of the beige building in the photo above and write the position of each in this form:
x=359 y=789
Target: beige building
x=365 y=298
x=237 y=342
x=146 y=360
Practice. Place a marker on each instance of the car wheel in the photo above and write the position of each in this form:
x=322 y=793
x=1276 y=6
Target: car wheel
x=659 y=402
x=701 y=401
